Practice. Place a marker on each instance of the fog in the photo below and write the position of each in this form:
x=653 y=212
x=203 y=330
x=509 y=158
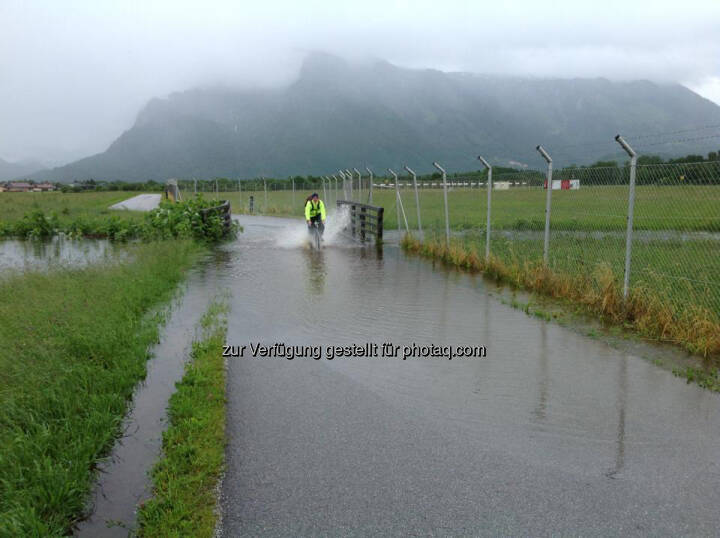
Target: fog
x=76 y=73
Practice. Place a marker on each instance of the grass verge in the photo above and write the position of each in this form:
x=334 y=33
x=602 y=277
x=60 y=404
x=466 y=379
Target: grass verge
x=599 y=292
x=73 y=345
x=186 y=477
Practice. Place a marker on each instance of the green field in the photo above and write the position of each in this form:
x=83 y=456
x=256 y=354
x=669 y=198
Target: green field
x=688 y=208
x=14 y=205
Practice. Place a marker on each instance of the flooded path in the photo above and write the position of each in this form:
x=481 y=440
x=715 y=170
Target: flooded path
x=552 y=432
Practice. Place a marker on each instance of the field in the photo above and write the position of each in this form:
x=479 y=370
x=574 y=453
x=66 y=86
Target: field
x=73 y=345
x=14 y=205
x=588 y=209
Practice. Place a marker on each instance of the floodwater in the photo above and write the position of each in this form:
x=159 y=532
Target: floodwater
x=552 y=432
x=52 y=253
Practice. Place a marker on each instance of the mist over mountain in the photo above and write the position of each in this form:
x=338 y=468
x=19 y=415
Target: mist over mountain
x=339 y=114
x=17 y=170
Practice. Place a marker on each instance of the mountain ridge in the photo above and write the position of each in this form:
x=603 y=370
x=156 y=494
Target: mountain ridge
x=337 y=114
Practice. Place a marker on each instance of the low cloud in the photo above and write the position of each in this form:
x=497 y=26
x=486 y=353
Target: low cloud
x=75 y=74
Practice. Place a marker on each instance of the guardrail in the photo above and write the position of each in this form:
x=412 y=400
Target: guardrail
x=365 y=220
x=223 y=210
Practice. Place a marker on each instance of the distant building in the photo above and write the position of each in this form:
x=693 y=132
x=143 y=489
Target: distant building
x=18 y=186
x=43 y=187
x=22 y=186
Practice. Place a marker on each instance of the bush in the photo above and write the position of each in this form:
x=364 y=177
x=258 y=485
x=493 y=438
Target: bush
x=183 y=220
x=186 y=219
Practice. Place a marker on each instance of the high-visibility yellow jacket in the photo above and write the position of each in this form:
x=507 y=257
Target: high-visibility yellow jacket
x=314 y=209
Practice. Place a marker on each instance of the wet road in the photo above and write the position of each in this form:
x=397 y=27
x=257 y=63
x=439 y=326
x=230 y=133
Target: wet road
x=551 y=433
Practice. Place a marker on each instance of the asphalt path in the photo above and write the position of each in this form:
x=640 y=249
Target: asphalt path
x=141 y=202
x=552 y=433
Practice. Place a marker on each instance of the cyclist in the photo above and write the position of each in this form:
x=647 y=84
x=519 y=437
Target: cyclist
x=315 y=213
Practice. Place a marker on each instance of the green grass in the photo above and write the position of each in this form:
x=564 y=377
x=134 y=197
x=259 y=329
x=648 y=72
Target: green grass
x=68 y=206
x=685 y=273
x=186 y=477
x=706 y=378
x=73 y=345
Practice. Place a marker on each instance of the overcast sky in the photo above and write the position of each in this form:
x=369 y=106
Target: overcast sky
x=74 y=74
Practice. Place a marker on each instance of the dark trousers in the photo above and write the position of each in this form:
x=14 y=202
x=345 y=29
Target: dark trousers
x=316 y=220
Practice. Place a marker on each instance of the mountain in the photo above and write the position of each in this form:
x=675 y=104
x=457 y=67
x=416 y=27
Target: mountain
x=338 y=115
x=18 y=170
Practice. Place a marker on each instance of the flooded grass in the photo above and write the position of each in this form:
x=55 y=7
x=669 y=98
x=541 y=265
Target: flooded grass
x=73 y=345
x=185 y=479
x=646 y=311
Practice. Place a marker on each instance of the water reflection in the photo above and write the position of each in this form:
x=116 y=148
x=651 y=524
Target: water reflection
x=540 y=411
x=316 y=271
x=621 y=404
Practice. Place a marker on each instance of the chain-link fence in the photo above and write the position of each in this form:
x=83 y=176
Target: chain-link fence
x=674 y=250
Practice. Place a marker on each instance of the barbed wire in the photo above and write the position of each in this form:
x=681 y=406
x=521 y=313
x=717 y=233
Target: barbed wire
x=679 y=140
x=681 y=131
x=610 y=141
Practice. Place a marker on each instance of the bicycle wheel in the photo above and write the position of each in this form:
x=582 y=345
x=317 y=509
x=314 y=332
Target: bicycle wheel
x=317 y=238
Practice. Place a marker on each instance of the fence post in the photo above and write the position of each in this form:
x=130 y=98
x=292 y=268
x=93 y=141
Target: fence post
x=323 y=178
x=397 y=198
x=631 y=207
x=350 y=177
x=265 y=188
x=447 y=218
x=548 y=199
x=417 y=197
x=359 y=184
x=293 y=189
x=370 y=185
x=489 y=205
x=344 y=184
